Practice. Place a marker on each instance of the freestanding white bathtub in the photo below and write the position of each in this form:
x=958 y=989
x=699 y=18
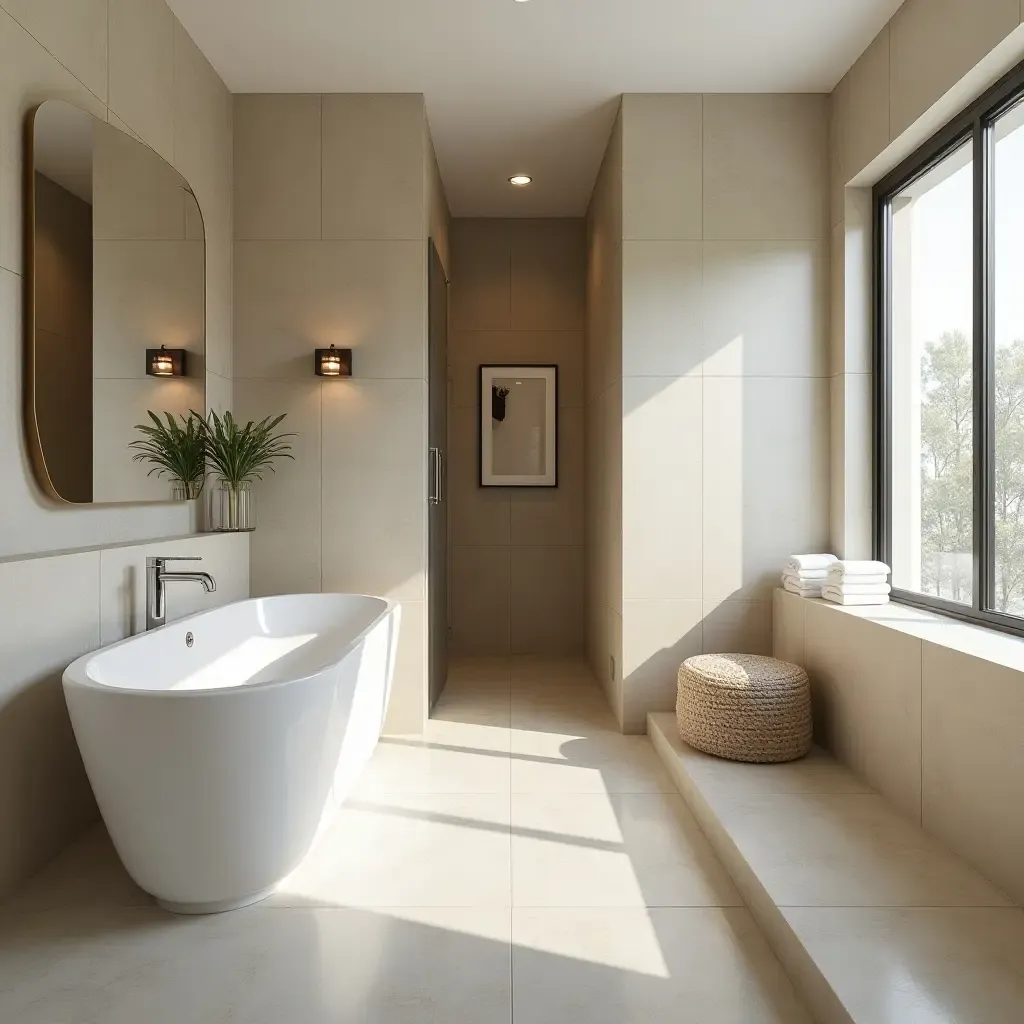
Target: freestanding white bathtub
x=218 y=745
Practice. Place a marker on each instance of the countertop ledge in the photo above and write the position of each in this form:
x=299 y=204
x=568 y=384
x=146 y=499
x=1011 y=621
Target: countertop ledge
x=976 y=641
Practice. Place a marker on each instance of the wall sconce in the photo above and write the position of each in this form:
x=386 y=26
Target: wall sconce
x=333 y=362
x=165 y=362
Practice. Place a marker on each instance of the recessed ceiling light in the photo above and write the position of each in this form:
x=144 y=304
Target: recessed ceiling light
x=520 y=179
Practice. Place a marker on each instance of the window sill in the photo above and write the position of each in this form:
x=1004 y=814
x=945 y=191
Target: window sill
x=978 y=641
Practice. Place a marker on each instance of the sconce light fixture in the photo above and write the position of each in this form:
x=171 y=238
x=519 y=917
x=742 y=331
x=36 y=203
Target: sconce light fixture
x=333 y=362
x=165 y=362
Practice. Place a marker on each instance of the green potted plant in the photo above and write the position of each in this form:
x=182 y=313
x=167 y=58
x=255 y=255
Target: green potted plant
x=174 y=450
x=239 y=455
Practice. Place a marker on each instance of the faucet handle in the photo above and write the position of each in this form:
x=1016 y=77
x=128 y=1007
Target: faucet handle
x=153 y=560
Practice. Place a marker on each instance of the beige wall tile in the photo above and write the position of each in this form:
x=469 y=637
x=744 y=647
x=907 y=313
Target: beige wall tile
x=141 y=59
x=294 y=297
x=661 y=166
x=661 y=308
x=481 y=273
x=765 y=482
x=737 y=626
x=972 y=782
x=286 y=546
x=548 y=276
x=934 y=43
x=866 y=686
x=374 y=531
x=546 y=612
x=220 y=393
x=661 y=483
x=480 y=585
x=479 y=515
x=858 y=282
x=765 y=167
x=122 y=593
x=374 y=165
x=28 y=76
x=51 y=616
x=407 y=709
x=75 y=33
x=852 y=465
x=277 y=166
x=765 y=309
x=554 y=515
x=788 y=627
x=837 y=299
x=657 y=637
x=468 y=350
x=867 y=126
x=838 y=137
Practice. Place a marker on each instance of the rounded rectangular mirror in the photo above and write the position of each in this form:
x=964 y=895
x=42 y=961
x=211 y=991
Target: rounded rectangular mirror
x=115 y=319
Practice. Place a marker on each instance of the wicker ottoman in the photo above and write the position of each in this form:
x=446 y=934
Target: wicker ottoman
x=744 y=707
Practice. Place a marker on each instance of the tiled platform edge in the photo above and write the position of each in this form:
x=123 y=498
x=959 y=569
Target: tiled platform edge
x=873 y=919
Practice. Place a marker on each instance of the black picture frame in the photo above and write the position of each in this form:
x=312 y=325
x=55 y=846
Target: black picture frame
x=486 y=409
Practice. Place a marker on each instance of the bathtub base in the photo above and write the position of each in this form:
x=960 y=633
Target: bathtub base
x=217 y=907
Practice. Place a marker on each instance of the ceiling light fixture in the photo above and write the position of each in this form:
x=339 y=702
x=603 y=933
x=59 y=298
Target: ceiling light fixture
x=520 y=179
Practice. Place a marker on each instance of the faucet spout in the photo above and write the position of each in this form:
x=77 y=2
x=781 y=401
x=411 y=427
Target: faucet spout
x=157 y=578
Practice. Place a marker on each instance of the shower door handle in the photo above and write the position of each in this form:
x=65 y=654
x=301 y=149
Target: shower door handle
x=434 y=487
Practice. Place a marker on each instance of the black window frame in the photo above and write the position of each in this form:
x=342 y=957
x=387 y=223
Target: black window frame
x=974 y=124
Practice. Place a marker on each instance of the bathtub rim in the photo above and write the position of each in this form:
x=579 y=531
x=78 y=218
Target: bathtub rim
x=76 y=675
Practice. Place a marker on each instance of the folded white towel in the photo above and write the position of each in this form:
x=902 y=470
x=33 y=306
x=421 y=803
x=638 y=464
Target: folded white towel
x=799 y=563
x=851 y=568
x=813 y=575
x=794 y=587
x=836 y=597
x=835 y=580
x=855 y=589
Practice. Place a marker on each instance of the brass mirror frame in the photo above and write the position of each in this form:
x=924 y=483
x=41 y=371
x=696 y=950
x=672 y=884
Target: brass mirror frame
x=30 y=420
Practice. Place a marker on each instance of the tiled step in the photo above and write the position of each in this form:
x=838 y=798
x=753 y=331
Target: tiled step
x=873 y=919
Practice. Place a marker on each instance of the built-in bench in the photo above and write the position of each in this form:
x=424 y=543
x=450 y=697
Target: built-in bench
x=875 y=921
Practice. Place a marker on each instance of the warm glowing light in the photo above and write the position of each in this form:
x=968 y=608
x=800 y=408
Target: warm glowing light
x=165 y=362
x=163 y=366
x=520 y=180
x=333 y=362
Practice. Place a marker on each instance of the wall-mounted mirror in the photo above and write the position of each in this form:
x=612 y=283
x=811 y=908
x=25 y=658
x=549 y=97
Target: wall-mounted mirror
x=116 y=259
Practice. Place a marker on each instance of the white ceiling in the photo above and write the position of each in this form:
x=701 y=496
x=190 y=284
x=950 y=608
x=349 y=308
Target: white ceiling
x=529 y=87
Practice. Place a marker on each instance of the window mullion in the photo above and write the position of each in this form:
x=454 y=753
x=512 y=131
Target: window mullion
x=984 y=371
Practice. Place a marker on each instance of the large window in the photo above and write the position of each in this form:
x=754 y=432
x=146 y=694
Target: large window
x=950 y=466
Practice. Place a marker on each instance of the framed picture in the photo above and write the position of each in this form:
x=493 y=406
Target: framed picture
x=518 y=426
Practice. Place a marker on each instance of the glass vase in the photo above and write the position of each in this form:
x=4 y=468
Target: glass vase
x=181 y=491
x=232 y=508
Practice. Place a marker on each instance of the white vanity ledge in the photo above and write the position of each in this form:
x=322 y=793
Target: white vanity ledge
x=146 y=543
x=977 y=641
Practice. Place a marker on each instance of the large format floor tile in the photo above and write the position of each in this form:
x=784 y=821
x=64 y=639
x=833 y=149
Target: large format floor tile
x=612 y=850
x=409 y=850
x=260 y=966
x=654 y=966
x=520 y=847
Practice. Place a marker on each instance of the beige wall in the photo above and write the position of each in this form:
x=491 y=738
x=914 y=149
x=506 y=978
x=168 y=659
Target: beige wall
x=725 y=427
x=930 y=61
x=928 y=711
x=335 y=196
x=131 y=62
x=604 y=423
x=517 y=296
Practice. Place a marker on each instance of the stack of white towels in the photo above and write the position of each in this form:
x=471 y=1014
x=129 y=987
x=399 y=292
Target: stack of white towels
x=857 y=583
x=842 y=582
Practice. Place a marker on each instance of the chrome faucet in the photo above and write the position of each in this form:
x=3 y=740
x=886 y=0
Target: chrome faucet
x=157 y=577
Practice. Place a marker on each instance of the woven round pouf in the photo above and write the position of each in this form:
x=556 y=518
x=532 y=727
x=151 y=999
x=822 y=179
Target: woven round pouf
x=744 y=707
